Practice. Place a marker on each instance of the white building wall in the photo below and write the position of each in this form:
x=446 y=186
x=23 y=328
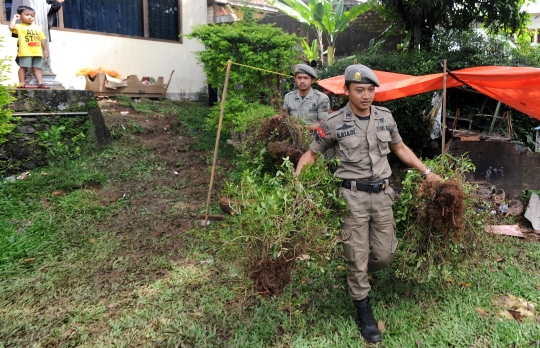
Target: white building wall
x=73 y=50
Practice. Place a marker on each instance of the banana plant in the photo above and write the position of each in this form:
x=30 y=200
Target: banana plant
x=325 y=16
x=311 y=53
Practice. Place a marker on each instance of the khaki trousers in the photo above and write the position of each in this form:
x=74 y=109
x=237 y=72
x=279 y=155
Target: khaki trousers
x=368 y=236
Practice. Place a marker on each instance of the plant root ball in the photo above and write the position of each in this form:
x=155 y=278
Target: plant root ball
x=270 y=276
x=444 y=206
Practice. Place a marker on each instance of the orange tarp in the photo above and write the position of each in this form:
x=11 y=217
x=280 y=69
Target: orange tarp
x=517 y=87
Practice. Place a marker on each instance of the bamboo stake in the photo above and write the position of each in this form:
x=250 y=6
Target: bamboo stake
x=223 y=97
x=444 y=111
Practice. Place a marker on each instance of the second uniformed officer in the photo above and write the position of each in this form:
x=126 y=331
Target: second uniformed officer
x=362 y=135
x=310 y=105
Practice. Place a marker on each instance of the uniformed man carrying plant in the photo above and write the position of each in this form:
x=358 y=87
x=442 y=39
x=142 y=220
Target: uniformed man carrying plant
x=306 y=103
x=362 y=135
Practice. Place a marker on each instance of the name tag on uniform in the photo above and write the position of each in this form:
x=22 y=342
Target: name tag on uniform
x=345 y=130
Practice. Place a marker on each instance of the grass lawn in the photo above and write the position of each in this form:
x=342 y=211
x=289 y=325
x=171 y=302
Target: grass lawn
x=117 y=258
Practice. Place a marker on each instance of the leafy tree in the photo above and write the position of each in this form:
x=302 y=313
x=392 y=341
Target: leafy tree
x=325 y=16
x=257 y=51
x=421 y=18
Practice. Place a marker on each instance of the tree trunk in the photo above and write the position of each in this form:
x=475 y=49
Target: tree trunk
x=321 y=46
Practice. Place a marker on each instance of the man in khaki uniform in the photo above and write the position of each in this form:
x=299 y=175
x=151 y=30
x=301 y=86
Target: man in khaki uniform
x=362 y=135
x=310 y=105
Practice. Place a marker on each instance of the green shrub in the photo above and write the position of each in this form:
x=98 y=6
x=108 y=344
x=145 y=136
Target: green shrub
x=285 y=215
x=7 y=121
x=257 y=51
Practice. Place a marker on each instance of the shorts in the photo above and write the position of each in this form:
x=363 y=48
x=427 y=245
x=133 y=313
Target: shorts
x=30 y=62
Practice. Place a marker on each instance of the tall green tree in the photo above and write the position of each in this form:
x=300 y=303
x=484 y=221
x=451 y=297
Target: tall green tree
x=325 y=16
x=421 y=18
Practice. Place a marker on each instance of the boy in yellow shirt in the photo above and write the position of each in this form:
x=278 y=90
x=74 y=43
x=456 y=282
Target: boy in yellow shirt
x=32 y=45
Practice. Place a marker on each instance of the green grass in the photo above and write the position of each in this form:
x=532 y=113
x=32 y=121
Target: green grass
x=89 y=281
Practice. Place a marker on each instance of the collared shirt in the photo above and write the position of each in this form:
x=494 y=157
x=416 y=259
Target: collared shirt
x=362 y=151
x=310 y=109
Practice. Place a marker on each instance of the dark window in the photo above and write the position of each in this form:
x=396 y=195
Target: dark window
x=7 y=9
x=109 y=16
x=163 y=19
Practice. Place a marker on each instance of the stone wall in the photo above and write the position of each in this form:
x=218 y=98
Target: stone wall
x=506 y=165
x=38 y=110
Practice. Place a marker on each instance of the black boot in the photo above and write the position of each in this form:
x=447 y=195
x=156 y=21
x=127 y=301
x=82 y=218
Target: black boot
x=366 y=321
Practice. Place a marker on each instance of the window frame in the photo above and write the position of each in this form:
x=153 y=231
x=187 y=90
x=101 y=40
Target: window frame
x=146 y=25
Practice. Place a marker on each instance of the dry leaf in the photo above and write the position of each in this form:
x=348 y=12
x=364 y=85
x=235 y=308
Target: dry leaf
x=341 y=268
x=68 y=333
x=92 y=240
x=516 y=314
x=505 y=314
x=335 y=286
x=449 y=280
x=58 y=193
x=303 y=257
x=304 y=280
x=112 y=305
x=482 y=312
x=418 y=344
x=465 y=285
x=380 y=325
x=29 y=260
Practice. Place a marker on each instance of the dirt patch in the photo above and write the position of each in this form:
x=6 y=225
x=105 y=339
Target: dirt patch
x=161 y=208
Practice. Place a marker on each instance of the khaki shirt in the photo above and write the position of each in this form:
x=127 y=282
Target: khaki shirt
x=362 y=152
x=311 y=109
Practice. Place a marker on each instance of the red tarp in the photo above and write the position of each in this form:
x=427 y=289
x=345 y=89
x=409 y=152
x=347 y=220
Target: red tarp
x=517 y=87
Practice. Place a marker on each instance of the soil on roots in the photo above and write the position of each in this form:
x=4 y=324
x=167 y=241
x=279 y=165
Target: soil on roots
x=283 y=138
x=444 y=206
x=271 y=276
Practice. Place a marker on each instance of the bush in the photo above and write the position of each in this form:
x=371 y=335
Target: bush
x=7 y=121
x=258 y=51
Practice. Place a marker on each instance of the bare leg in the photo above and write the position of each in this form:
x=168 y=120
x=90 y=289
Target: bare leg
x=38 y=75
x=22 y=72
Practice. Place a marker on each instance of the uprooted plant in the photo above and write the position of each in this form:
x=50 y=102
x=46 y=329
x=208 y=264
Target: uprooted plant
x=272 y=140
x=437 y=221
x=281 y=217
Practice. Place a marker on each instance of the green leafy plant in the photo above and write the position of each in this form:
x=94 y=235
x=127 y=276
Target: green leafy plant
x=7 y=120
x=257 y=51
x=325 y=16
x=310 y=53
x=284 y=216
x=434 y=241
x=59 y=150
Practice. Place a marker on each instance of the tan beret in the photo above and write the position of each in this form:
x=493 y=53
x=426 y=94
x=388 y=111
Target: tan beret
x=359 y=73
x=306 y=69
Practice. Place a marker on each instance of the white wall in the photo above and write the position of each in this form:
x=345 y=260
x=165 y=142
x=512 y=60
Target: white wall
x=74 y=50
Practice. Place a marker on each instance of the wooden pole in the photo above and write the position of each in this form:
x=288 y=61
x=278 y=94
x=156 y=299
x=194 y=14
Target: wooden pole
x=223 y=97
x=444 y=111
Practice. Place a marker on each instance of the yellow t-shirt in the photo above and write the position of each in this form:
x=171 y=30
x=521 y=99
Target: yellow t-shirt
x=30 y=37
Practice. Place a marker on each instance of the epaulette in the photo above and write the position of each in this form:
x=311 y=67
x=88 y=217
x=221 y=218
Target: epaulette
x=334 y=114
x=382 y=109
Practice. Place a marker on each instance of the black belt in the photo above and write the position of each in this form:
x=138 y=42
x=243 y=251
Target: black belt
x=366 y=186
